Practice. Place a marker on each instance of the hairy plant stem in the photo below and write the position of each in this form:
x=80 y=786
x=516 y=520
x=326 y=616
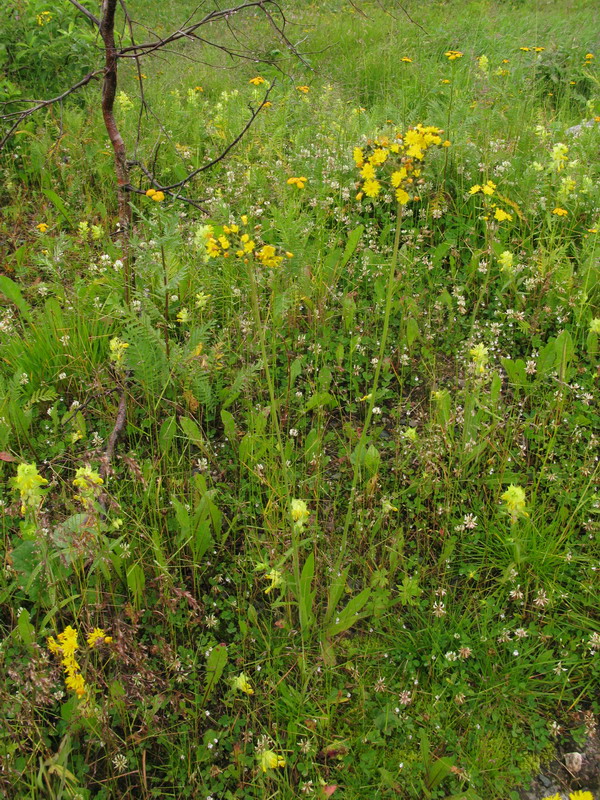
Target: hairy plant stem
x=372 y=396
x=277 y=426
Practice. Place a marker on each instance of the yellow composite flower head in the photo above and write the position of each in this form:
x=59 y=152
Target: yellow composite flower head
x=406 y=60
x=28 y=482
x=42 y=227
x=560 y=212
x=514 y=498
x=299 y=182
x=358 y=156
x=502 y=215
x=257 y=80
x=581 y=795
x=268 y=759
x=488 y=187
x=452 y=55
x=303 y=89
x=371 y=187
x=98 y=635
x=242 y=683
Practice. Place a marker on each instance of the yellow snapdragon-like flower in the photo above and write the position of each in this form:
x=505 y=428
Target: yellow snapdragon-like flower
x=268 y=759
x=28 y=482
x=276 y=579
x=242 y=683
x=479 y=354
x=299 y=512
x=514 y=497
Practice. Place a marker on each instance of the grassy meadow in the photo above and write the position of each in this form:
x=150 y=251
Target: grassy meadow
x=347 y=544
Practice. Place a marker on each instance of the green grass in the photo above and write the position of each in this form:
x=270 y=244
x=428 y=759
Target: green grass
x=415 y=642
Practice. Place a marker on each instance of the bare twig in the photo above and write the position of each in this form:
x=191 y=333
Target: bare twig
x=229 y=147
x=85 y=11
x=119 y=425
x=19 y=116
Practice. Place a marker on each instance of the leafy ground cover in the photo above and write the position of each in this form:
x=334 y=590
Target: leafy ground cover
x=348 y=542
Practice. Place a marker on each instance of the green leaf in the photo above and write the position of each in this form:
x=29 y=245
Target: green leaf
x=192 y=431
x=349 y=614
x=215 y=664
x=58 y=203
x=25 y=628
x=305 y=595
x=166 y=434
x=136 y=581
x=412 y=330
x=229 y=426
x=11 y=290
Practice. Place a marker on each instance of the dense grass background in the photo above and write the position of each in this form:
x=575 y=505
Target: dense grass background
x=415 y=641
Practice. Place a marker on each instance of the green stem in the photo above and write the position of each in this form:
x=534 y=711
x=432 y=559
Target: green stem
x=364 y=434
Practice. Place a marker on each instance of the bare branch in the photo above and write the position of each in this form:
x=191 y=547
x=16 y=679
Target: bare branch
x=229 y=147
x=87 y=13
x=181 y=33
x=19 y=116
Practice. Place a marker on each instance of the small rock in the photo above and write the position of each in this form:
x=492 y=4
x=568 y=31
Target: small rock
x=573 y=762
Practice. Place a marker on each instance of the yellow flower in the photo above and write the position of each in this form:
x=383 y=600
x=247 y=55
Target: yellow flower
x=87 y=481
x=402 y=197
x=399 y=176
x=183 y=315
x=299 y=182
x=299 y=512
x=117 y=349
x=158 y=197
x=257 y=80
x=270 y=760
x=580 y=795
x=303 y=89
x=242 y=683
x=560 y=212
x=371 y=188
x=42 y=227
x=76 y=683
x=502 y=215
x=406 y=60
x=368 y=172
x=475 y=189
x=379 y=156
x=595 y=325
x=479 y=354
x=150 y=192
x=358 y=156
x=488 y=187
x=446 y=143
x=538 y=49
x=452 y=55
x=98 y=635
x=589 y=56
x=525 y=49
x=514 y=497
x=444 y=80
x=224 y=242
x=276 y=579
x=28 y=482
x=506 y=261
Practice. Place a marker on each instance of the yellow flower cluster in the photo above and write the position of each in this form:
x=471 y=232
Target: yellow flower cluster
x=514 y=497
x=395 y=163
x=28 y=482
x=66 y=647
x=43 y=18
x=88 y=482
x=157 y=196
x=488 y=189
x=117 y=350
x=300 y=183
x=452 y=55
x=235 y=240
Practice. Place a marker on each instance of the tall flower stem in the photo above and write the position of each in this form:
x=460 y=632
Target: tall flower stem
x=360 y=449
